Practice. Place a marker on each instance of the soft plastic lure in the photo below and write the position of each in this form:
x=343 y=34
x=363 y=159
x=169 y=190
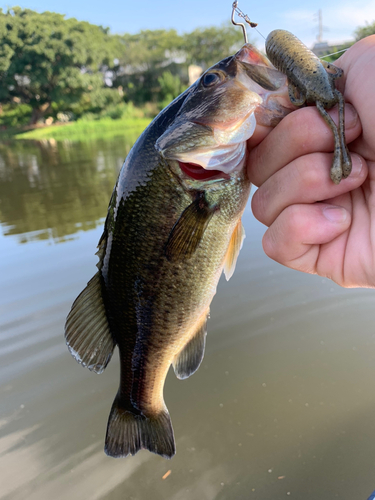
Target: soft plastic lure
x=312 y=80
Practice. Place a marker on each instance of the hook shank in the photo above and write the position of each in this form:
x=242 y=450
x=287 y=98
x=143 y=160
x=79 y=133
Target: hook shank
x=244 y=16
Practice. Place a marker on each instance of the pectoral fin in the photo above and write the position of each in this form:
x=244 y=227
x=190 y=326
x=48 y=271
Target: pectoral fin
x=188 y=231
x=189 y=359
x=233 y=251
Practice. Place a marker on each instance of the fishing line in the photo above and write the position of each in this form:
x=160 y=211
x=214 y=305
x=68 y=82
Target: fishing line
x=245 y=17
x=334 y=53
x=256 y=29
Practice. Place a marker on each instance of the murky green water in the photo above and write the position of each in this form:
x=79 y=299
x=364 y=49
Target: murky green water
x=282 y=407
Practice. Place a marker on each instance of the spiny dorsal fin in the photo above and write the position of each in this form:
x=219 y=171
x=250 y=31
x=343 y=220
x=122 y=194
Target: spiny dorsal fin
x=189 y=359
x=233 y=251
x=188 y=231
x=87 y=331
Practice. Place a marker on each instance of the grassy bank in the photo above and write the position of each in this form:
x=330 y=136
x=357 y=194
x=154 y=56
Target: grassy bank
x=84 y=130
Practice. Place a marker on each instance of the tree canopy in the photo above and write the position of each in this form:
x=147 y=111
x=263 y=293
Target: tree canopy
x=363 y=31
x=45 y=58
x=51 y=65
x=206 y=46
x=147 y=55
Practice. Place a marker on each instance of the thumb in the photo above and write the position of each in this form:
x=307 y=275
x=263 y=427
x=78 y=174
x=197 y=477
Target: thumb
x=295 y=237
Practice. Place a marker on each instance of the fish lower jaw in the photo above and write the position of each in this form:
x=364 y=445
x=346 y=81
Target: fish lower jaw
x=198 y=173
x=192 y=171
x=223 y=159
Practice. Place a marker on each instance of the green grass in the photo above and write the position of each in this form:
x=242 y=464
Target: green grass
x=84 y=130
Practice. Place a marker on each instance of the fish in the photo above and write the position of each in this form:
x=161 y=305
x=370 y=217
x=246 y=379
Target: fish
x=173 y=225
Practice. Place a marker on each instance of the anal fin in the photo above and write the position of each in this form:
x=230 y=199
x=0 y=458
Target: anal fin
x=87 y=331
x=233 y=251
x=189 y=359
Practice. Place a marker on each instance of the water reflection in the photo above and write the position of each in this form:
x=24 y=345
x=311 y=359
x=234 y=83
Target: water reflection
x=282 y=406
x=49 y=189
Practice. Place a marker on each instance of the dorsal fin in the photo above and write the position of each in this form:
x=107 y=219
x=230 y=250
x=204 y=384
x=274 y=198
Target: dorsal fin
x=87 y=331
x=233 y=251
x=188 y=360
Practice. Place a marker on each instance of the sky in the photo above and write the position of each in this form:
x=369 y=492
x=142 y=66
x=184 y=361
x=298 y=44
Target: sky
x=340 y=17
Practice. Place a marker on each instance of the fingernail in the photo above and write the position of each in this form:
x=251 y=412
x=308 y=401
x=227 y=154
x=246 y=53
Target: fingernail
x=335 y=214
x=351 y=116
x=357 y=165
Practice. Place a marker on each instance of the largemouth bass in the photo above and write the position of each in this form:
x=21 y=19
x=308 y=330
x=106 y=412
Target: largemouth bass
x=173 y=225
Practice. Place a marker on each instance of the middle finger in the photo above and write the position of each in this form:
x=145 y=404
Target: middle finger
x=301 y=132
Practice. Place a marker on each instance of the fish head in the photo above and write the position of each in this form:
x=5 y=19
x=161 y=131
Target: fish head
x=221 y=112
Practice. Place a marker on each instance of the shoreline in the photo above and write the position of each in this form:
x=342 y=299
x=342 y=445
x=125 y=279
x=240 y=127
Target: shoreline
x=81 y=130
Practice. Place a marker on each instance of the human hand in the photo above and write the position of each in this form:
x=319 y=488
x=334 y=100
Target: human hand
x=314 y=225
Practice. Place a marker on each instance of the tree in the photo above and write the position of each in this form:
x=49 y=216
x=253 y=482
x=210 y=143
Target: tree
x=170 y=88
x=46 y=58
x=150 y=48
x=363 y=31
x=145 y=57
x=207 y=46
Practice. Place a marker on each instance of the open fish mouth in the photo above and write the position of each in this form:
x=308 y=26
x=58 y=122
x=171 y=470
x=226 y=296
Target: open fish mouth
x=198 y=173
x=225 y=153
x=221 y=113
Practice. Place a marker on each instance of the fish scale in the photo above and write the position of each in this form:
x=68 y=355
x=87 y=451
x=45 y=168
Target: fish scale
x=154 y=275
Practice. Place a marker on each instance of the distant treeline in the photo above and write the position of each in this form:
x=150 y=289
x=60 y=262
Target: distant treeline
x=57 y=68
x=62 y=69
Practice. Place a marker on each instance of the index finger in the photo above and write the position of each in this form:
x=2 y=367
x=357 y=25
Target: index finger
x=301 y=132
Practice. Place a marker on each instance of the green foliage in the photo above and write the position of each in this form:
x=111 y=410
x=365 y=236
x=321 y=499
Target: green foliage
x=170 y=88
x=86 y=129
x=207 y=46
x=52 y=66
x=336 y=51
x=363 y=31
x=95 y=98
x=122 y=110
x=42 y=56
x=13 y=115
x=148 y=48
x=145 y=56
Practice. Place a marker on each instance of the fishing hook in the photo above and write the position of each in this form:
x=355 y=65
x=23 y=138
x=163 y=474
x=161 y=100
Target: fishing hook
x=244 y=16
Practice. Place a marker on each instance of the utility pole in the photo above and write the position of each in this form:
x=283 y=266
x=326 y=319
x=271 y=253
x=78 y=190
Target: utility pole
x=320 y=47
x=320 y=34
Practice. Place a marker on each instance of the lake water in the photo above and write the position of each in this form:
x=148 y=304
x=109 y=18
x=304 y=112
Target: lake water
x=282 y=407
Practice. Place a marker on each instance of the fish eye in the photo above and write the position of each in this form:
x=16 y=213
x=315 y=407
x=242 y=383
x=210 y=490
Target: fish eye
x=210 y=79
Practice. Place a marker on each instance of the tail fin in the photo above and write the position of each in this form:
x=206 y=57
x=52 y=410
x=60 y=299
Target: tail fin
x=128 y=433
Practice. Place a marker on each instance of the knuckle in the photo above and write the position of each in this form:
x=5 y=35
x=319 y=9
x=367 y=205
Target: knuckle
x=259 y=204
x=311 y=171
x=293 y=222
x=307 y=129
x=256 y=166
x=270 y=244
x=298 y=122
